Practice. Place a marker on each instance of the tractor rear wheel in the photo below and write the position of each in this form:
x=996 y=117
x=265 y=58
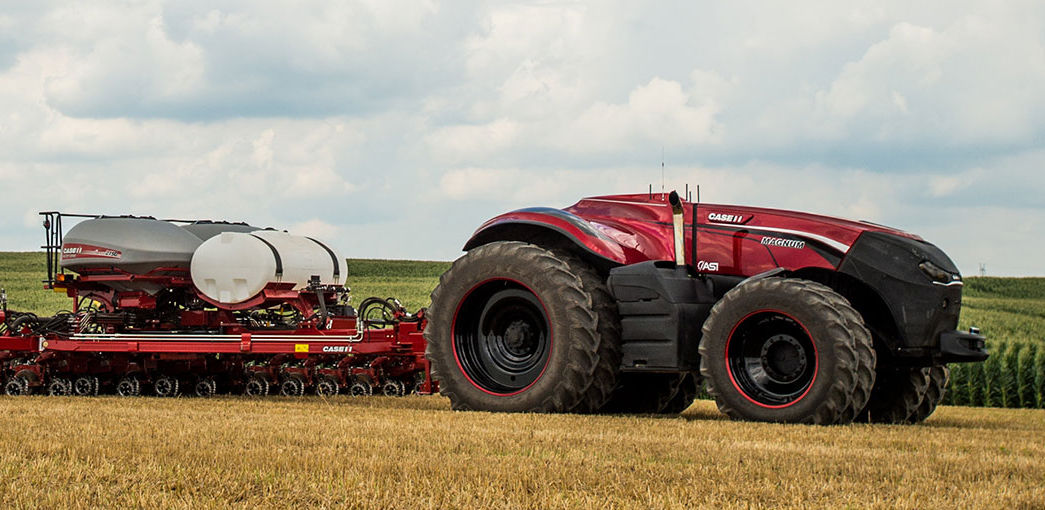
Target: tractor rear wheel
x=939 y=376
x=786 y=350
x=512 y=328
x=609 y=332
x=896 y=395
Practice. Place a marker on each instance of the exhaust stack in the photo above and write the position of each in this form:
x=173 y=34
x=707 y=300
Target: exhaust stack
x=679 y=223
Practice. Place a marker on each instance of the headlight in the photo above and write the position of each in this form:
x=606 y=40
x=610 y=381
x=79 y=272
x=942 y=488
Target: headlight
x=935 y=273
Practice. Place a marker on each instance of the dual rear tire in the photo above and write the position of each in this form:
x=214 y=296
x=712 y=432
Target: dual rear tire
x=514 y=327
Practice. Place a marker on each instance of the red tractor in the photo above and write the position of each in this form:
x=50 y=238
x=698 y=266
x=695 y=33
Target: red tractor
x=627 y=303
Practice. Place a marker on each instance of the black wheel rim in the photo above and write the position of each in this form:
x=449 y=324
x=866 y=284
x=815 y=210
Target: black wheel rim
x=255 y=387
x=502 y=338
x=58 y=388
x=83 y=386
x=327 y=388
x=126 y=387
x=291 y=388
x=205 y=388
x=393 y=389
x=771 y=359
x=14 y=387
x=164 y=387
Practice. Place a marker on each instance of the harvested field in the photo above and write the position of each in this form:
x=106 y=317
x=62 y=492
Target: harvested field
x=412 y=452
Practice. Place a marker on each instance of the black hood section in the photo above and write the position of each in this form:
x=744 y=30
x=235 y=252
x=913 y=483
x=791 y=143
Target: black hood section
x=921 y=308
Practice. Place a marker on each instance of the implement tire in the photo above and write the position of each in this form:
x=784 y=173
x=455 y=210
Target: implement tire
x=785 y=350
x=512 y=328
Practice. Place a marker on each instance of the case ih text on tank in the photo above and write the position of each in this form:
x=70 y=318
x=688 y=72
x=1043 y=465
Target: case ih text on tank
x=165 y=307
x=626 y=303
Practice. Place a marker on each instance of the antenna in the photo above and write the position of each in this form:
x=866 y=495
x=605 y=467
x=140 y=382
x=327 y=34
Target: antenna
x=661 y=171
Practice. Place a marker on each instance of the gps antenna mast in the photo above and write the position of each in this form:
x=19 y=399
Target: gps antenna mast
x=662 y=172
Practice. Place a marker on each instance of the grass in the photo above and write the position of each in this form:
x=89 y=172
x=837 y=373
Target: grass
x=412 y=452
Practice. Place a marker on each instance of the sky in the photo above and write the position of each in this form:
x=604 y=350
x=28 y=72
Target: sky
x=393 y=129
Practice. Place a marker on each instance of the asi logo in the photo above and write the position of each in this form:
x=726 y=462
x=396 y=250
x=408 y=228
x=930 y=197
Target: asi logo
x=704 y=265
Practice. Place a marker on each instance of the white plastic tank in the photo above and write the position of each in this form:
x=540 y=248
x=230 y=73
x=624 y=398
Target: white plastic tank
x=233 y=267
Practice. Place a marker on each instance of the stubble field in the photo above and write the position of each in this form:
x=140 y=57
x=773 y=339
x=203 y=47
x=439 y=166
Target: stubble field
x=413 y=452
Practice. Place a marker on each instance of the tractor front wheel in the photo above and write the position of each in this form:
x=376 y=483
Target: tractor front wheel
x=786 y=350
x=897 y=393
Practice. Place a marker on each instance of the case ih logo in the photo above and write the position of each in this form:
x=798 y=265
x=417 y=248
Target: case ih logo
x=726 y=218
x=72 y=251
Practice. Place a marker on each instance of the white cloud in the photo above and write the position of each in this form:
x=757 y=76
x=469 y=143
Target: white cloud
x=358 y=119
x=315 y=228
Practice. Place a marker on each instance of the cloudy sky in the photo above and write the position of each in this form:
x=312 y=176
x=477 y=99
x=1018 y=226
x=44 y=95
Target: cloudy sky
x=392 y=129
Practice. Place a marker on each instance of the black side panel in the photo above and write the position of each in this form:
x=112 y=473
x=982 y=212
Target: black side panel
x=662 y=310
x=921 y=308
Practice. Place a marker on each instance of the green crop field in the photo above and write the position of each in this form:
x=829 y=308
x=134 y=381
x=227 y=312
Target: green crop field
x=413 y=452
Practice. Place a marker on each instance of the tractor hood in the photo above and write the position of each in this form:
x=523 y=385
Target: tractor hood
x=628 y=229
x=629 y=218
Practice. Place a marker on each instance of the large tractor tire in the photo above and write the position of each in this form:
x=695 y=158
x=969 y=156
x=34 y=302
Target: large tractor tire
x=939 y=376
x=786 y=350
x=609 y=331
x=512 y=328
x=897 y=393
x=639 y=393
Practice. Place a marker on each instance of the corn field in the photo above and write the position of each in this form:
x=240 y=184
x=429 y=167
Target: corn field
x=1014 y=376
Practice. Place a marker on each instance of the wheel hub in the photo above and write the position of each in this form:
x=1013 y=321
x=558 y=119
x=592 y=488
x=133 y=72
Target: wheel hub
x=519 y=339
x=783 y=358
